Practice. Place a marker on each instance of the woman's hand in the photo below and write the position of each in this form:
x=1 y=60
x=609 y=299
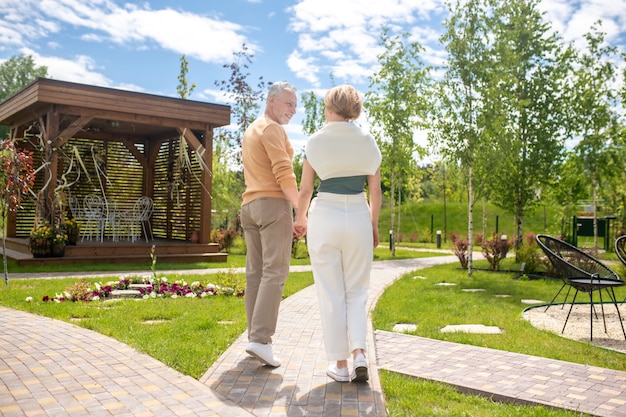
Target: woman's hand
x=376 y=241
x=299 y=228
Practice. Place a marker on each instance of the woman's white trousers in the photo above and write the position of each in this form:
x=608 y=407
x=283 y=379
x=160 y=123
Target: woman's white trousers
x=340 y=243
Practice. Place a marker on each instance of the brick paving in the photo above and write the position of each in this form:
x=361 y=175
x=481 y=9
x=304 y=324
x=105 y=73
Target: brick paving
x=53 y=368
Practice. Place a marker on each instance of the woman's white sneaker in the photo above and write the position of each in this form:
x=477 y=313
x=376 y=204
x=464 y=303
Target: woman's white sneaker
x=338 y=374
x=360 y=373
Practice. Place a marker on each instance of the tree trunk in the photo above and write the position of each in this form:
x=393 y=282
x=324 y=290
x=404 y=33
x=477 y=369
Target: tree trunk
x=393 y=208
x=445 y=213
x=484 y=218
x=470 y=221
x=595 y=214
x=397 y=234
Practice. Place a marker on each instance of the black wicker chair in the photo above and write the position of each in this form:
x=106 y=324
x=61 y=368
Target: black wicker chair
x=582 y=272
x=620 y=250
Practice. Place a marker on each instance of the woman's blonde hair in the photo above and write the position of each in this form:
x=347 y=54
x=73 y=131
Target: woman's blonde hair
x=344 y=100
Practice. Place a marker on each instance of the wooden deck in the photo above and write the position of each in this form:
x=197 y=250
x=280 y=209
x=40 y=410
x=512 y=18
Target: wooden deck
x=123 y=251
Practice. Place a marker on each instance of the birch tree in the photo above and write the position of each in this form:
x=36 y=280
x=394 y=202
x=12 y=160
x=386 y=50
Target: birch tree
x=396 y=106
x=457 y=131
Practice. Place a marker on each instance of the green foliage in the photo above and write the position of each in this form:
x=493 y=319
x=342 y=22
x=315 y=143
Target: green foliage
x=184 y=89
x=230 y=279
x=397 y=105
x=313 y=113
x=530 y=255
x=526 y=126
x=457 y=113
x=17 y=72
x=418 y=218
x=299 y=249
x=600 y=150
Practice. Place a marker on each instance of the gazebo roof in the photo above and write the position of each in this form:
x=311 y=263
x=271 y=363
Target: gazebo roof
x=112 y=113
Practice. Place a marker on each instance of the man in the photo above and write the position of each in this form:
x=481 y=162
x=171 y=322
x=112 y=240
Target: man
x=267 y=217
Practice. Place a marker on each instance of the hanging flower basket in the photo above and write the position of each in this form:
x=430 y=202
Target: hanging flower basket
x=40 y=247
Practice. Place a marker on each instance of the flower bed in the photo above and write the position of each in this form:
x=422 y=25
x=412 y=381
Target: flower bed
x=227 y=285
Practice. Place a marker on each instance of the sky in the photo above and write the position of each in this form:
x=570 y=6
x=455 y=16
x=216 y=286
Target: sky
x=313 y=44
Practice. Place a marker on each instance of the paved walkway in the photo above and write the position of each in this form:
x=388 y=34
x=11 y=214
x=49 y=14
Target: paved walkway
x=53 y=368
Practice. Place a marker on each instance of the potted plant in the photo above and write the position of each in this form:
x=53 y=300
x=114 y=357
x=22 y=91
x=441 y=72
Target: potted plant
x=72 y=230
x=58 y=243
x=40 y=240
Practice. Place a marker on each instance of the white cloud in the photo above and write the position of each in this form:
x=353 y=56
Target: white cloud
x=573 y=20
x=81 y=69
x=346 y=34
x=187 y=33
x=26 y=22
x=303 y=67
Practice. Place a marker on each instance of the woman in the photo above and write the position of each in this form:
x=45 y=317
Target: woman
x=342 y=229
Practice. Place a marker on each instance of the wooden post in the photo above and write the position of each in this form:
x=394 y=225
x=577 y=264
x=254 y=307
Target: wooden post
x=207 y=190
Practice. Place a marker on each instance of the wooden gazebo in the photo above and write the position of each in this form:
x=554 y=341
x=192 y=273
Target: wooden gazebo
x=127 y=144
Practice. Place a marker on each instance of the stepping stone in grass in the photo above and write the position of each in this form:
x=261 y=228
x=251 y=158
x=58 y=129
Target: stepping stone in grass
x=471 y=328
x=533 y=302
x=404 y=327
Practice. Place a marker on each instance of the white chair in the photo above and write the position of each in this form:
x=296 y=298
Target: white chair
x=75 y=209
x=77 y=213
x=138 y=219
x=96 y=217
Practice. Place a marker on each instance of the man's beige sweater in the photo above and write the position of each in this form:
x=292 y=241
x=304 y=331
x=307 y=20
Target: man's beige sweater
x=267 y=160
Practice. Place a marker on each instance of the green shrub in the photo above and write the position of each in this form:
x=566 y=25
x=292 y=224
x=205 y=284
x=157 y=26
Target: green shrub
x=530 y=255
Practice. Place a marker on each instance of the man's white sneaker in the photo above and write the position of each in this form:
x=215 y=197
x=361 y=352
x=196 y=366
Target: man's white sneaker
x=360 y=373
x=263 y=352
x=338 y=374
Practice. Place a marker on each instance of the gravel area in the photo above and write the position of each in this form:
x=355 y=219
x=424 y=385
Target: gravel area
x=578 y=324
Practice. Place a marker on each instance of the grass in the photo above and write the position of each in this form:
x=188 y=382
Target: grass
x=189 y=335
x=409 y=397
x=418 y=218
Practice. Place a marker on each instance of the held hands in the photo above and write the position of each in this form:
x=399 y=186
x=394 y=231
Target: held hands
x=299 y=228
